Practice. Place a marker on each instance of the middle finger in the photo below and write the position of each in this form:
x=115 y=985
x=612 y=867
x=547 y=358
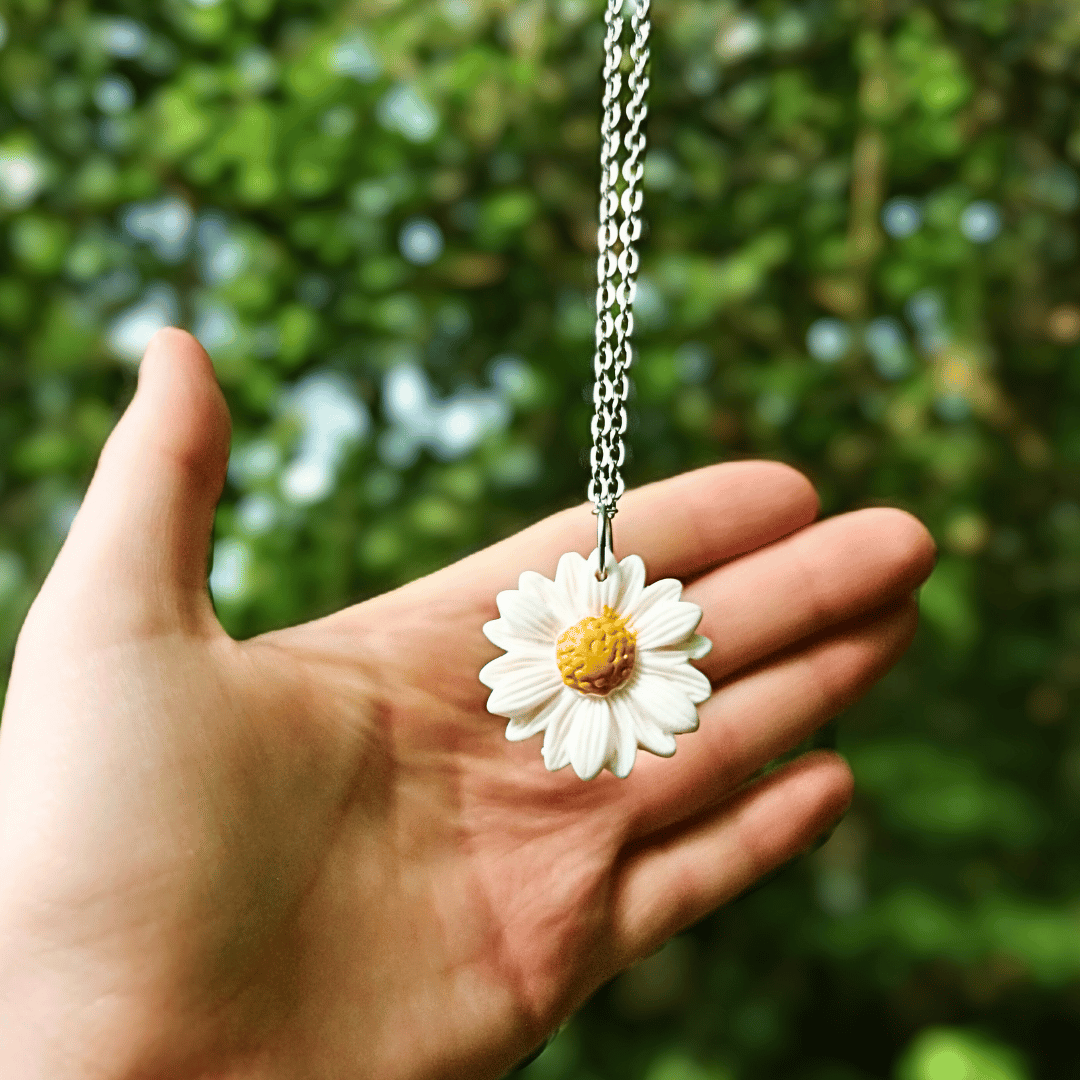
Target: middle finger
x=807 y=583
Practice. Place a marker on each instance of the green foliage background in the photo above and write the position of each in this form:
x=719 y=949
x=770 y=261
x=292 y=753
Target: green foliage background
x=936 y=936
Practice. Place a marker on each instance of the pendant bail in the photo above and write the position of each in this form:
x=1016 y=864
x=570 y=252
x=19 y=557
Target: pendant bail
x=605 y=543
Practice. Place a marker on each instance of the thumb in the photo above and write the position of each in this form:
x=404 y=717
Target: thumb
x=138 y=547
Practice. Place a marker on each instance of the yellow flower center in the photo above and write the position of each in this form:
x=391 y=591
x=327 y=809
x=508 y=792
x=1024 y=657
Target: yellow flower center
x=596 y=655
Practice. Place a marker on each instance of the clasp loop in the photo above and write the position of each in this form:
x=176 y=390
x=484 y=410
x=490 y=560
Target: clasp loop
x=605 y=544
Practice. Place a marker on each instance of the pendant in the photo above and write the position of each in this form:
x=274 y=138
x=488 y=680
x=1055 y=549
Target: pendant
x=598 y=661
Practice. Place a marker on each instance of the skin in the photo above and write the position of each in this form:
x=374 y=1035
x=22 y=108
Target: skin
x=313 y=854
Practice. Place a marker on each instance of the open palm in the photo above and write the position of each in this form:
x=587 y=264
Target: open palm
x=313 y=853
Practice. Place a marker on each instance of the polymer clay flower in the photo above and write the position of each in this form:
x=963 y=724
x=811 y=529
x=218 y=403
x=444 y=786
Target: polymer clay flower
x=600 y=667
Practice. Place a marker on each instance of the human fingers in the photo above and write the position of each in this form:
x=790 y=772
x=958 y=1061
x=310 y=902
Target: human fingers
x=671 y=881
x=141 y=536
x=803 y=584
x=680 y=526
x=762 y=714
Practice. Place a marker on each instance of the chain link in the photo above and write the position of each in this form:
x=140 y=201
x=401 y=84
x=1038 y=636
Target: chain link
x=614 y=300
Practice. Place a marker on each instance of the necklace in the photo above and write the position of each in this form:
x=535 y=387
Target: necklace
x=596 y=660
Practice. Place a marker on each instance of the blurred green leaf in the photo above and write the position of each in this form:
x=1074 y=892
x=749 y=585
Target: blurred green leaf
x=946 y=601
x=955 y=1054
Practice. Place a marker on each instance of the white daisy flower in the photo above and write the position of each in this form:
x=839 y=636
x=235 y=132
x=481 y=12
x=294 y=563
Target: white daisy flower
x=600 y=667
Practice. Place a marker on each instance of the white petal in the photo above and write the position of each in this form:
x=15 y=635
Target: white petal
x=649 y=734
x=622 y=586
x=698 y=646
x=666 y=624
x=678 y=672
x=631 y=584
x=529 y=724
x=519 y=729
x=659 y=593
x=665 y=703
x=530 y=688
x=591 y=736
x=556 y=749
x=575 y=581
x=541 y=589
x=695 y=647
x=528 y=616
x=580 y=594
x=654 y=738
x=599 y=593
x=515 y=664
x=645 y=713
x=622 y=716
x=499 y=632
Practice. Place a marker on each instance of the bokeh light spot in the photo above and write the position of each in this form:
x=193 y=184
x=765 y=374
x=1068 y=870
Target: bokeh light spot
x=114 y=94
x=981 y=222
x=901 y=217
x=420 y=241
x=827 y=340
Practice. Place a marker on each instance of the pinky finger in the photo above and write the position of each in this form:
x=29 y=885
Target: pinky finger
x=668 y=884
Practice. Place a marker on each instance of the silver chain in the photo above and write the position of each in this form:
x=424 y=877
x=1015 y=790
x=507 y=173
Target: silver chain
x=615 y=325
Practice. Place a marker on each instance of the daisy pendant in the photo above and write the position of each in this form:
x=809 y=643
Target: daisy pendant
x=600 y=667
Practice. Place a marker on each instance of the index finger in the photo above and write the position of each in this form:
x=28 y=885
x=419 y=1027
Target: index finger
x=681 y=527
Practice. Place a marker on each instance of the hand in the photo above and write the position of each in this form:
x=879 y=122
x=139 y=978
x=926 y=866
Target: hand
x=313 y=853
